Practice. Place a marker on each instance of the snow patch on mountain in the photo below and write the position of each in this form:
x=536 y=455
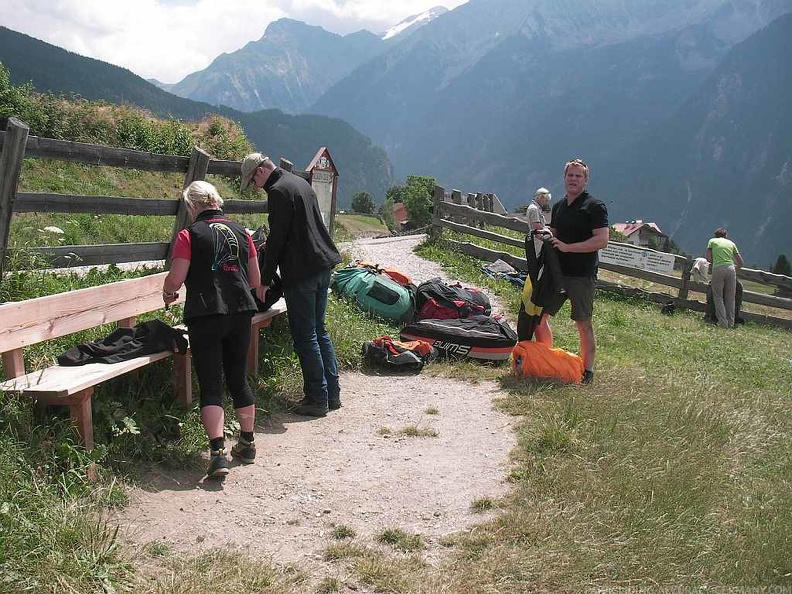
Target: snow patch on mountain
x=414 y=22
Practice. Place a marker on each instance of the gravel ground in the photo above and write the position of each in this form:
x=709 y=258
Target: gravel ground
x=351 y=468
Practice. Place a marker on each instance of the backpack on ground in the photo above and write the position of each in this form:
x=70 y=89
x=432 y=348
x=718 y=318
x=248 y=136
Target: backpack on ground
x=476 y=337
x=535 y=360
x=439 y=301
x=375 y=293
x=385 y=351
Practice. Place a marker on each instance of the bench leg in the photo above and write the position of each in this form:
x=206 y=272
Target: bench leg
x=13 y=363
x=253 y=349
x=182 y=368
x=127 y=322
x=80 y=411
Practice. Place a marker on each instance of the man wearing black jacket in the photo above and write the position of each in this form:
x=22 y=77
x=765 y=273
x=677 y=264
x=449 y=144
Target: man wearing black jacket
x=300 y=245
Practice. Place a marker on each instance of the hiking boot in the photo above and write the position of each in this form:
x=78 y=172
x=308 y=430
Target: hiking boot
x=588 y=377
x=334 y=403
x=218 y=465
x=244 y=450
x=311 y=410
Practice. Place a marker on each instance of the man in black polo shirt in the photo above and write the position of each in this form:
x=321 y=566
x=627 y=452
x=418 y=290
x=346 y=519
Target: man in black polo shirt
x=579 y=224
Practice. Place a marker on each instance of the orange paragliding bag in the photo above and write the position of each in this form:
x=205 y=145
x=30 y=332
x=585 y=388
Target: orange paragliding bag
x=534 y=360
x=396 y=275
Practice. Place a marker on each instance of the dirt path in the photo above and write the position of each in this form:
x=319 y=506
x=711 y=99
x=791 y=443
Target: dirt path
x=313 y=474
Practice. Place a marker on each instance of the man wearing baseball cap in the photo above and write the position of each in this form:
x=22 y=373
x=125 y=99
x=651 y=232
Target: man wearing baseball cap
x=300 y=246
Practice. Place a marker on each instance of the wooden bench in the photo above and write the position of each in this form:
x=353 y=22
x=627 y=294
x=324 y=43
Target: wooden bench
x=261 y=320
x=25 y=323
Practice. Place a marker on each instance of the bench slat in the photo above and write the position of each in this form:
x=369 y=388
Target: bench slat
x=23 y=323
x=36 y=320
x=278 y=307
x=60 y=382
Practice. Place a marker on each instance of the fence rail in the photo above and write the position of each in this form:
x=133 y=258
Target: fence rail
x=16 y=145
x=467 y=220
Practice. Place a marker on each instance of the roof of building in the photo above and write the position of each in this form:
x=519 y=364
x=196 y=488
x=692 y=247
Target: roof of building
x=631 y=227
x=322 y=160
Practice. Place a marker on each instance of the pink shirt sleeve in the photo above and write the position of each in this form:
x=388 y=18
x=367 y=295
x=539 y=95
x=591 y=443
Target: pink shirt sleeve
x=251 y=246
x=183 y=246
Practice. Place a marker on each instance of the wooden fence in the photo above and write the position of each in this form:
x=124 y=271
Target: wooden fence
x=465 y=219
x=16 y=144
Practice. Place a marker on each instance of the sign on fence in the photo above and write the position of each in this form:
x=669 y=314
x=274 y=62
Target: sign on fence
x=324 y=178
x=636 y=257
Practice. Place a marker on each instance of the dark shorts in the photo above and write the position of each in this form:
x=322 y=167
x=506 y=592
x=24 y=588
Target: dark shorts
x=580 y=292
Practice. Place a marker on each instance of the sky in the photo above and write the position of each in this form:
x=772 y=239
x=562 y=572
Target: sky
x=169 y=39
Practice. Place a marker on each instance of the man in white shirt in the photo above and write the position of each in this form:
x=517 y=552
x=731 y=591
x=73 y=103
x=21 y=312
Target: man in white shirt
x=700 y=269
x=535 y=214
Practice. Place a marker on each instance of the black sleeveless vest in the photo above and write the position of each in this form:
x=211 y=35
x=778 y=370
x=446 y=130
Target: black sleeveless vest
x=217 y=280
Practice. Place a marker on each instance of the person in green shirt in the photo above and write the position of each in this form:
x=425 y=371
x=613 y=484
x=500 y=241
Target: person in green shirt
x=725 y=258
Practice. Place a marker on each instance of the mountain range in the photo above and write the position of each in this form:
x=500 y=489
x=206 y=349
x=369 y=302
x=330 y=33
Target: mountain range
x=496 y=95
x=679 y=107
x=291 y=66
x=288 y=68
x=725 y=156
x=362 y=166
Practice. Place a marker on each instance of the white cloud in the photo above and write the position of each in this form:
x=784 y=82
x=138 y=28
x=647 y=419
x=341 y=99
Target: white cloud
x=169 y=39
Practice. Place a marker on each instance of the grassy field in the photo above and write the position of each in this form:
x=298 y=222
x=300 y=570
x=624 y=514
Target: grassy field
x=359 y=225
x=672 y=471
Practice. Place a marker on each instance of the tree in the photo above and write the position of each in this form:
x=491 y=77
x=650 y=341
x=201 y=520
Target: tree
x=617 y=236
x=782 y=266
x=395 y=194
x=418 y=195
x=386 y=212
x=363 y=203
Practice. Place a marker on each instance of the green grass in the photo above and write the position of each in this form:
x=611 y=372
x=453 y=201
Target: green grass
x=46 y=175
x=342 y=532
x=415 y=431
x=359 y=225
x=672 y=470
x=401 y=540
x=408 y=431
x=215 y=571
x=483 y=505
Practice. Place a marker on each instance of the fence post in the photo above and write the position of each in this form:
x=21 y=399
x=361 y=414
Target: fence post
x=686 y=269
x=11 y=156
x=481 y=204
x=196 y=170
x=455 y=198
x=435 y=229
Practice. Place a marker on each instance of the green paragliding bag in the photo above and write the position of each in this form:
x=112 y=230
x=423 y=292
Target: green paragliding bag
x=375 y=293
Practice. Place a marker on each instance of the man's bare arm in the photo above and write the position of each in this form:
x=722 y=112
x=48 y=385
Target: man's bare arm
x=596 y=242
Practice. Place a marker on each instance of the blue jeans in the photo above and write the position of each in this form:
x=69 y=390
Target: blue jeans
x=306 y=303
